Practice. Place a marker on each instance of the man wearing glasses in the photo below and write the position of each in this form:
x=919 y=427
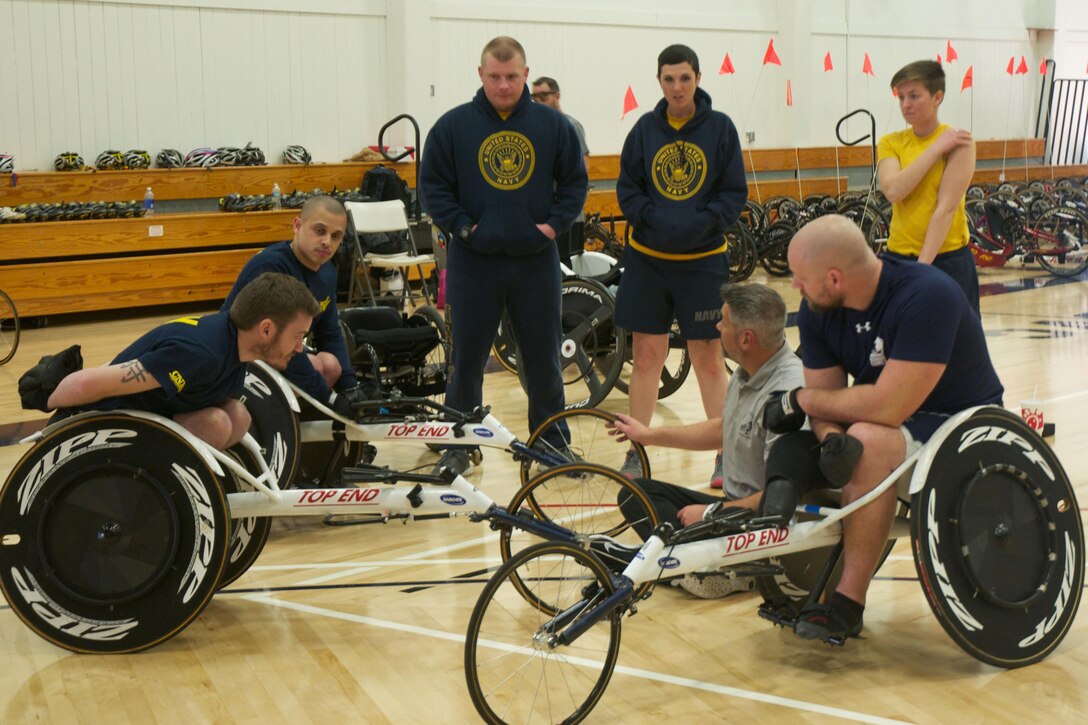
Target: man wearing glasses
x=546 y=91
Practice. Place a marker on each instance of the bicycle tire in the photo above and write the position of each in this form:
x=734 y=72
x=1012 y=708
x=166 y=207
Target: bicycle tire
x=1068 y=255
x=9 y=328
x=584 y=431
x=503 y=688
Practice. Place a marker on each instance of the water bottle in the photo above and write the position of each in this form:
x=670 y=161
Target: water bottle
x=277 y=197
x=149 y=202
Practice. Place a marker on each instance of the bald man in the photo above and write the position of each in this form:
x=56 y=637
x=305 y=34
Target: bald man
x=907 y=335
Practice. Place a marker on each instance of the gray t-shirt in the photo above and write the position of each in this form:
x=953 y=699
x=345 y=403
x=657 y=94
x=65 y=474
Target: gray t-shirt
x=585 y=149
x=745 y=442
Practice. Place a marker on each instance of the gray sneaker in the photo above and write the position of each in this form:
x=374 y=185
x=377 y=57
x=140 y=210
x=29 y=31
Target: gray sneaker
x=632 y=466
x=716 y=479
x=457 y=460
x=566 y=452
x=715 y=584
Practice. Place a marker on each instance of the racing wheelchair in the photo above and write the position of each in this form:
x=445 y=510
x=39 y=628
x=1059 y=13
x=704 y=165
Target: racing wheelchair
x=117 y=528
x=996 y=534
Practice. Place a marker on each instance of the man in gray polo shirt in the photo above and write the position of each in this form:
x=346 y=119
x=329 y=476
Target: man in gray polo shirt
x=752 y=334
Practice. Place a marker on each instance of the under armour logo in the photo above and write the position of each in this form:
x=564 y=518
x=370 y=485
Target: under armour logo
x=866 y=327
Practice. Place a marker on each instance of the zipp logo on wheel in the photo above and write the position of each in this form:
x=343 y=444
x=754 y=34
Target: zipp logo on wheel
x=205 y=531
x=66 y=450
x=61 y=619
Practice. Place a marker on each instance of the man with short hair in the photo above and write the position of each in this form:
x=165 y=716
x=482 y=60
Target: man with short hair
x=546 y=91
x=505 y=176
x=318 y=232
x=751 y=328
x=681 y=185
x=916 y=351
x=924 y=171
x=193 y=369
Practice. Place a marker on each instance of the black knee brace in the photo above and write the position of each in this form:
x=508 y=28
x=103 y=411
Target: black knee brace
x=793 y=469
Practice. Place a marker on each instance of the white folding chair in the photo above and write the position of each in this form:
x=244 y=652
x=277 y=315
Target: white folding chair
x=386 y=216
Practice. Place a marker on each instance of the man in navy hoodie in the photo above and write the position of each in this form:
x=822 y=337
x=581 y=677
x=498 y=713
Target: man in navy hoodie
x=504 y=175
x=681 y=186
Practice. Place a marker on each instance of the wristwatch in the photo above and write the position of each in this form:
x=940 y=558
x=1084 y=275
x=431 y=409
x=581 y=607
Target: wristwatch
x=464 y=232
x=712 y=509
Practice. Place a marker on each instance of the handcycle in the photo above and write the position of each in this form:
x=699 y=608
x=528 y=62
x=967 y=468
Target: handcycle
x=1002 y=228
x=997 y=538
x=117 y=528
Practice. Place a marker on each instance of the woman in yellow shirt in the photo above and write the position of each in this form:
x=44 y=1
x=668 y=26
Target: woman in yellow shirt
x=924 y=171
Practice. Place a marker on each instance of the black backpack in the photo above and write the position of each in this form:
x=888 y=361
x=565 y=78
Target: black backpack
x=383 y=183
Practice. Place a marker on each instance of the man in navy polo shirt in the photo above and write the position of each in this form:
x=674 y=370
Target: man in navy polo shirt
x=193 y=369
x=318 y=232
x=905 y=332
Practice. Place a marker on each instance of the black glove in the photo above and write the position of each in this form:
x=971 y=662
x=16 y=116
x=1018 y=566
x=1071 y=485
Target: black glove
x=344 y=402
x=839 y=455
x=39 y=382
x=781 y=412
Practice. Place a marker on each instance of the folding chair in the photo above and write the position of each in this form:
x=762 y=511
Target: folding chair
x=388 y=217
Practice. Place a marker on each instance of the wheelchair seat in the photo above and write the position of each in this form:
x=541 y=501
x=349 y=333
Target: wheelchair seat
x=387 y=347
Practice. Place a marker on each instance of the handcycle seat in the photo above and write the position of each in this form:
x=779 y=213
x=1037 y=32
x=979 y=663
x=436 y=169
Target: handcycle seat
x=395 y=339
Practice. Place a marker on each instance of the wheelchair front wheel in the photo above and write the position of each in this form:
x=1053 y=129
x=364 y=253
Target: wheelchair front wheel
x=514 y=670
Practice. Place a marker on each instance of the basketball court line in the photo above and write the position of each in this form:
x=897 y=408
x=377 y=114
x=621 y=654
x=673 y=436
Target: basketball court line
x=726 y=690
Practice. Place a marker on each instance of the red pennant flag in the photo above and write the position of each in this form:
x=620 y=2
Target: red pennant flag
x=950 y=53
x=789 y=93
x=1012 y=65
x=1042 y=67
x=867 y=66
x=968 y=78
x=939 y=58
x=770 y=56
x=727 y=66
x=827 y=62
x=629 y=102
x=1022 y=69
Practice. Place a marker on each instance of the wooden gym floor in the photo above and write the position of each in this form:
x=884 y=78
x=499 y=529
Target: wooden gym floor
x=366 y=624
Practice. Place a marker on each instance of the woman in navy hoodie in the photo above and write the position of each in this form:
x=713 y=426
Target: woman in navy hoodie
x=681 y=186
x=504 y=175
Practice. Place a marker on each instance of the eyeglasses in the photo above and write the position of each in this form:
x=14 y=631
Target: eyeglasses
x=542 y=95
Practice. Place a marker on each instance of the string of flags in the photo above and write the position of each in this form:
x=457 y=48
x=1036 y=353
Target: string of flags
x=770 y=57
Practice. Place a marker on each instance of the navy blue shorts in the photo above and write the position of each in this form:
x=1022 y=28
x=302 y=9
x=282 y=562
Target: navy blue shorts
x=921 y=426
x=654 y=292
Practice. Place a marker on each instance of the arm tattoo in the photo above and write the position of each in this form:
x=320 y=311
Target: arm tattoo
x=134 y=371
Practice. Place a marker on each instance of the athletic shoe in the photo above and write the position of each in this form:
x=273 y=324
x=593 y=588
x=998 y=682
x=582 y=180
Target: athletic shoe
x=715 y=584
x=615 y=556
x=716 y=478
x=566 y=452
x=457 y=460
x=632 y=466
x=828 y=623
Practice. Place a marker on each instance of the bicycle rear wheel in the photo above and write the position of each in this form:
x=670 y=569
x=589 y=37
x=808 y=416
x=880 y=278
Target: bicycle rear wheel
x=514 y=670
x=1062 y=238
x=9 y=328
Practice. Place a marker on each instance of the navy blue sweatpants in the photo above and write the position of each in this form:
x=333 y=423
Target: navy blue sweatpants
x=478 y=287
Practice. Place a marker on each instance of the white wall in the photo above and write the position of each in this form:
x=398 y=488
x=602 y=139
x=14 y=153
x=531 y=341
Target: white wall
x=88 y=76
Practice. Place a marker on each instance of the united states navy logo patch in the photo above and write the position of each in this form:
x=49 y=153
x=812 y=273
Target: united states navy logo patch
x=507 y=160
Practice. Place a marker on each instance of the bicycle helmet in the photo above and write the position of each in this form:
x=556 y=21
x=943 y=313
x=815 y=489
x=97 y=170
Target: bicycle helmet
x=7 y=164
x=109 y=160
x=169 y=159
x=136 y=159
x=251 y=156
x=296 y=154
x=228 y=156
x=203 y=156
x=68 y=161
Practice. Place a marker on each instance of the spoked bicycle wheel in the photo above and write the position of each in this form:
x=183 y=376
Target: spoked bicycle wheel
x=583 y=432
x=584 y=499
x=9 y=328
x=515 y=671
x=1062 y=238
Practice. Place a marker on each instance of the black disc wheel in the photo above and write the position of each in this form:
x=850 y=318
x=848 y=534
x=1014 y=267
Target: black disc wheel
x=673 y=373
x=582 y=432
x=274 y=425
x=249 y=535
x=998 y=540
x=592 y=350
x=515 y=666
x=114 y=534
x=9 y=328
x=774 y=246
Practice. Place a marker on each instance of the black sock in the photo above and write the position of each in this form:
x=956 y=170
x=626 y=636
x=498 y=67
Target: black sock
x=843 y=604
